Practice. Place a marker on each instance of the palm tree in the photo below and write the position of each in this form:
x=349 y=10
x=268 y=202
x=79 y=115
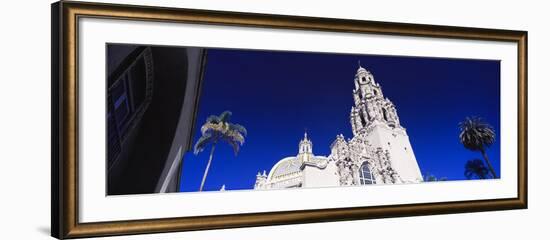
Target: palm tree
x=475 y=167
x=477 y=135
x=214 y=130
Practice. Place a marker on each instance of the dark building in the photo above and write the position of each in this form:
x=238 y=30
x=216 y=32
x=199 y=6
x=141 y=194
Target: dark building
x=152 y=94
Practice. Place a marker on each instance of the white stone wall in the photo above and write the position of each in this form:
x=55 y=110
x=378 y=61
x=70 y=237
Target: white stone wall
x=316 y=177
x=402 y=157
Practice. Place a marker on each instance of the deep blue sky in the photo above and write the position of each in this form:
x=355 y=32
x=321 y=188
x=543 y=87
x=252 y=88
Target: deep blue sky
x=276 y=95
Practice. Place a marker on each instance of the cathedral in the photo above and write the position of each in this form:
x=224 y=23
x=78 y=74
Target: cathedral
x=378 y=153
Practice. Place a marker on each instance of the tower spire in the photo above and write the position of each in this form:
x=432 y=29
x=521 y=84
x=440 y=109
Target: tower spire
x=359 y=63
x=305 y=144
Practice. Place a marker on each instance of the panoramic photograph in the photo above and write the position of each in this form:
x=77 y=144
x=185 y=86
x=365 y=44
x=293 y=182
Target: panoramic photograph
x=192 y=119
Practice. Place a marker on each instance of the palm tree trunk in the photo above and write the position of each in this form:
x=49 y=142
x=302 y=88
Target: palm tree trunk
x=488 y=163
x=207 y=167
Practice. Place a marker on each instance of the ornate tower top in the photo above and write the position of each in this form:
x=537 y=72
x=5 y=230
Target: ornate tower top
x=363 y=76
x=360 y=67
x=371 y=107
x=306 y=146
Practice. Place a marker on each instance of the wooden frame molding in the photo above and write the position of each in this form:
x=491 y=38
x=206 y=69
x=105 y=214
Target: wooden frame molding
x=65 y=128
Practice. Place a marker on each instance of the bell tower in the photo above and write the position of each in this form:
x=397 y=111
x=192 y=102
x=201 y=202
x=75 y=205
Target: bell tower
x=370 y=106
x=375 y=118
x=305 y=151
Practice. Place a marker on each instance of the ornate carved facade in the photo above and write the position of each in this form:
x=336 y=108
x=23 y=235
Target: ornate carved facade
x=378 y=153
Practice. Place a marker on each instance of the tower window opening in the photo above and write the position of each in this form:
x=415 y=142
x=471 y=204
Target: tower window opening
x=385 y=113
x=363 y=121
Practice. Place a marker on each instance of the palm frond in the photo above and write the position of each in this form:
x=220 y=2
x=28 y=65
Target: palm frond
x=219 y=128
x=213 y=119
x=475 y=134
x=233 y=136
x=225 y=116
x=475 y=168
x=210 y=127
x=236 y=147
x=238 y=128
x=201 y=144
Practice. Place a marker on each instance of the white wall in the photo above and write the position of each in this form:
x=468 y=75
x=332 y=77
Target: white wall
x=25 y=124
x=402 y=155
x=315 y=177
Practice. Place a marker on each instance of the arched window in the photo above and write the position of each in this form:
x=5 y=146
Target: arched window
x=363 y=119
x=365 y=175
x=385 y=114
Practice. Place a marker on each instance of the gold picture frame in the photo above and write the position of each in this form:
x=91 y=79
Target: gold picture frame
x=65 y=126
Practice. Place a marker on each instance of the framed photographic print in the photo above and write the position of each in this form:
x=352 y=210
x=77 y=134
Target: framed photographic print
x=167 y=119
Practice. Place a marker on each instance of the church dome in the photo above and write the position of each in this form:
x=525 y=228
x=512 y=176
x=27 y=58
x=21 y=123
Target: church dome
x=285 y=167
x=289 y=172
